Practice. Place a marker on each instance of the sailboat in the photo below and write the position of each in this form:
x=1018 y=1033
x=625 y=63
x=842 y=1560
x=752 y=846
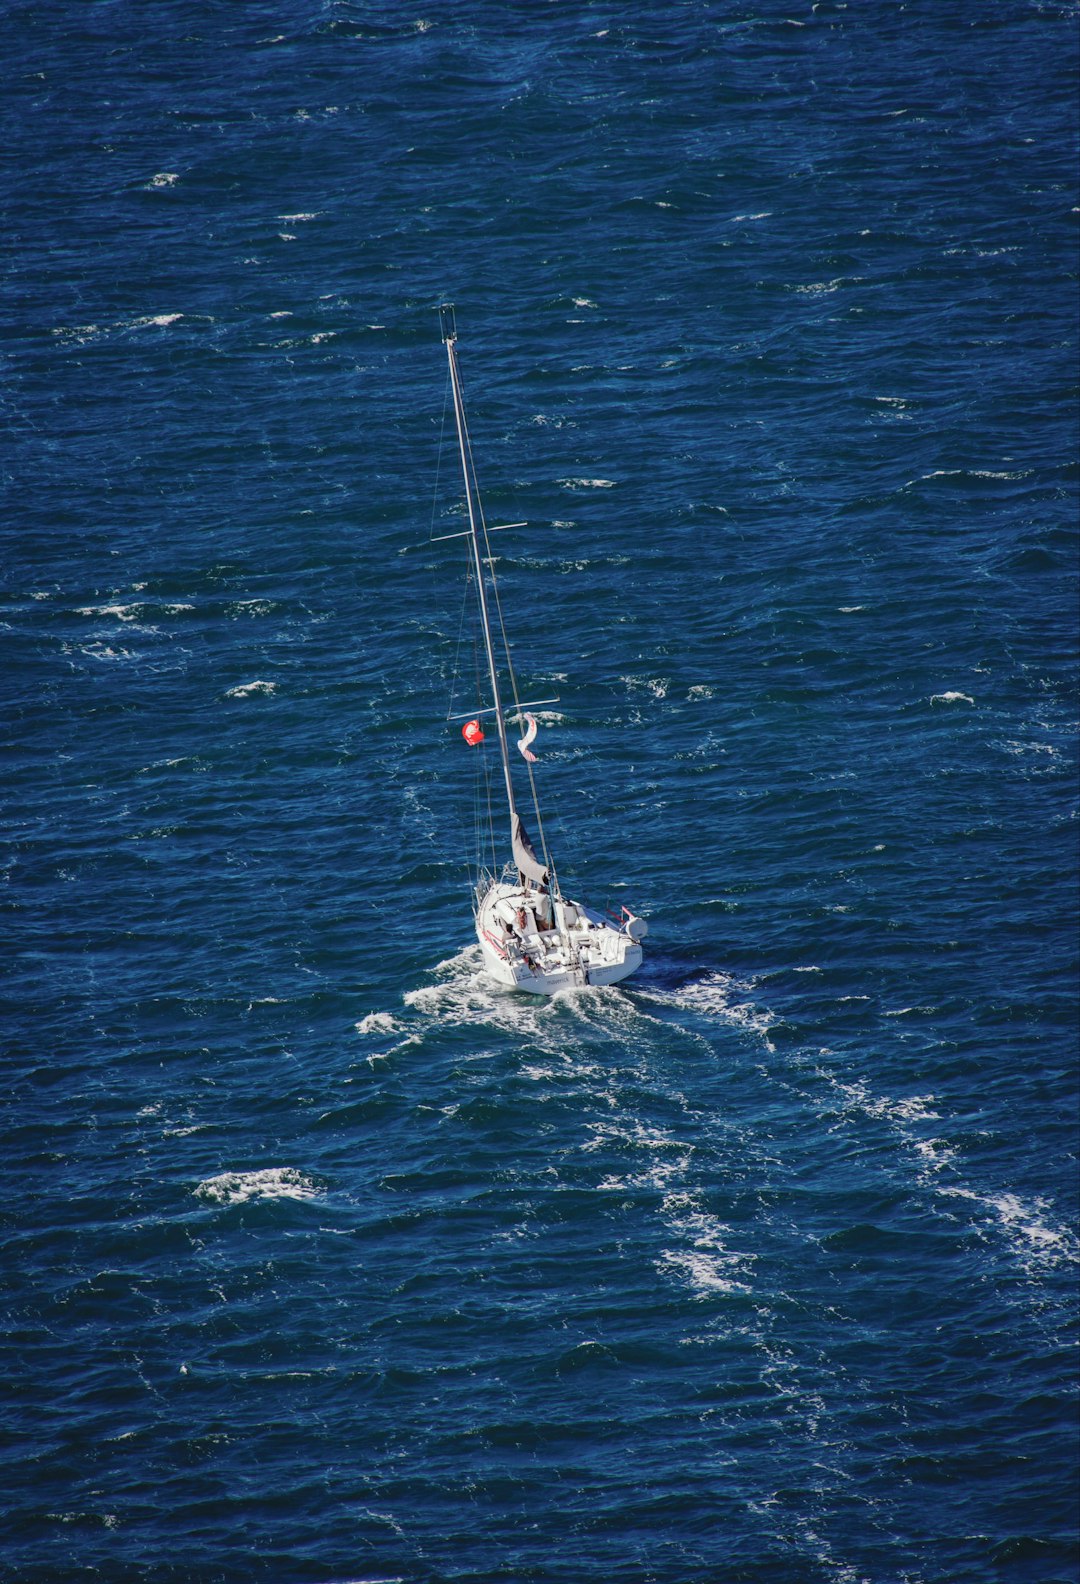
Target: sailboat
x=531 y=936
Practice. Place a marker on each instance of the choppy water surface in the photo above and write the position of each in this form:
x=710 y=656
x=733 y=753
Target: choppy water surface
x=325 y=1260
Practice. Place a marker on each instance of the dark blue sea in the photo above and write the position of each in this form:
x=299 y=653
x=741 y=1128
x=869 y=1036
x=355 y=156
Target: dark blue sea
x=325 y=1261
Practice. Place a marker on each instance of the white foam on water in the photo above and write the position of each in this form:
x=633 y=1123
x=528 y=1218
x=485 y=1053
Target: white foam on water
x=951 y=698
x=657 y=686
x=1018 y=749
x=718 y=995
x=661 y=1159
x=100 y=651
x=465 y=996
x=382 y=1578
x=859 y=1097
x=708 y=1265
x=559 y=1073
x=935 y=1155
x=377 y=1023
x=125 y=613
x=80 y=334
x=937 y=473
x=273 y=1182
x=629 y=1131
x=246 y=689
x=704 y=1273
x=586 y=483
x=1035 y=1243
x=824 y=288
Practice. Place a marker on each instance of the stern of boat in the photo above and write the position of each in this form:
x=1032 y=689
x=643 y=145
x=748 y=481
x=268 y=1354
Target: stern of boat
x=532 y=941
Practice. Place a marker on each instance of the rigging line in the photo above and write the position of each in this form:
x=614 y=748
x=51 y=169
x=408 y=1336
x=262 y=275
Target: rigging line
x=457 y=646
x=438 y=605
x=475 y=844
x=477 y=664
x=548 y=864
x=438 y=457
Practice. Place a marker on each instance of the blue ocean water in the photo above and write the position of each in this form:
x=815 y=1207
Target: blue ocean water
x=323 y=1259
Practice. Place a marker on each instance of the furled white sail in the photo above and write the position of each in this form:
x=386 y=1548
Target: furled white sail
x=524 y=856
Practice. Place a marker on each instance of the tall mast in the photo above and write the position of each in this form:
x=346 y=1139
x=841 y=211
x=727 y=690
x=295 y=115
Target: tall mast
x=449 y=335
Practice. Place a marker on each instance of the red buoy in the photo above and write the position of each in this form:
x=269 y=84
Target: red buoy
x=472 y=733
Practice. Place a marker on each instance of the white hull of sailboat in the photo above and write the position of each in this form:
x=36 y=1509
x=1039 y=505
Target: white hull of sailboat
x=571 y=947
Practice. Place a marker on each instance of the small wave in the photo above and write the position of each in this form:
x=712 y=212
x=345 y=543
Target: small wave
x=251 y=607
x=823 y=288
x=100 y=651
x=587 y=483
x=125 y=613
x=274 y=1182
x=377 y=1023
x=951 y=698
x=245 y=689
x=163 y=179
